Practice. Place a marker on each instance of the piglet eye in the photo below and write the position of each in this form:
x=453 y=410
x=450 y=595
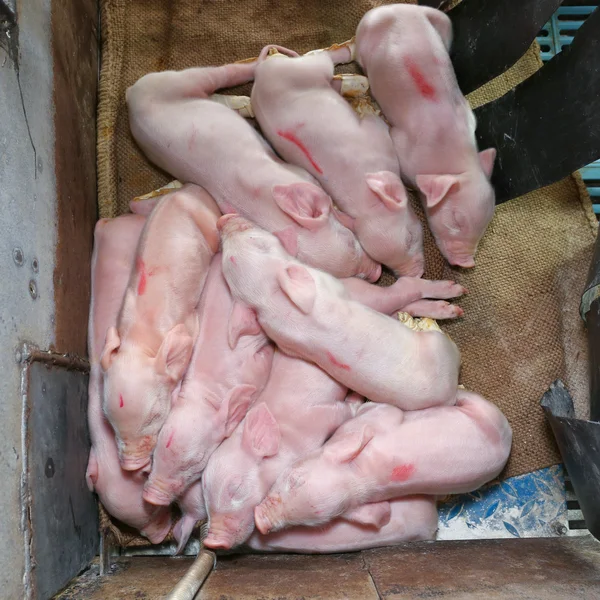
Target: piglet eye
x=234 y=488
x=295 y=481
x=456 y=221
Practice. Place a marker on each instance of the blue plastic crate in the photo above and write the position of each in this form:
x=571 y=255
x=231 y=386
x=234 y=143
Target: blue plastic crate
x=554 y=36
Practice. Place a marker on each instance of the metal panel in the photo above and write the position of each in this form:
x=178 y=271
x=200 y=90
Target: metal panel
x=63 y=518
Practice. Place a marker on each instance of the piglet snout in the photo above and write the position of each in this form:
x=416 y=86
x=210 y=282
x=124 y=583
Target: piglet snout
x=133 y=463
x=135 y=457
x=467 y=262
x=264 y=515
x=370 y=269
x=156 y=531
x=155 y=494
x=413 y=268
x=232 y=222
x=223 y=220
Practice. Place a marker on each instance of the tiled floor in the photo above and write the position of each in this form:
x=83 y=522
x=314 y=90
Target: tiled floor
x=507 y=569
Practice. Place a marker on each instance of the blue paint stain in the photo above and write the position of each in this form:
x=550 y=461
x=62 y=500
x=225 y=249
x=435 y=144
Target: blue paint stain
x=524 y=506
x=511 y=529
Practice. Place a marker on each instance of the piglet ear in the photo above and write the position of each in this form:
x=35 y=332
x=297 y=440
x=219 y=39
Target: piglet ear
x=436 y=187
x=91 y=474
x=304 y=202
x=182 y=531
x=111 y=347
x=289 y=239
x=389 y=188
x=261 y=434
x=486 y=160
x=346 y=447
x=174 y=353
x=299 y=286
x=242 y=321
x=237 y=404
x=375 y=514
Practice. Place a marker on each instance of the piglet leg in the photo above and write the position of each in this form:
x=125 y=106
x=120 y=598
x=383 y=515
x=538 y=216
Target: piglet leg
x=406 y=292
x=350 y=85
x=200 y=82
x=340 y=53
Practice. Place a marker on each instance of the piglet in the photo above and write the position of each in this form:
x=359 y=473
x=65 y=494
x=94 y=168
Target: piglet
x=308 y=313
x=386 y=453
x=115 y=242
x=412 y=519
x=199 y=140
x=404 y=51
x=310 y=125
x=219 y=386
x=300 y=407
x=147 y=353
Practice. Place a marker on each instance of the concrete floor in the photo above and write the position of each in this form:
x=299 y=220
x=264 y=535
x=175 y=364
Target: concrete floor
x=520 y=569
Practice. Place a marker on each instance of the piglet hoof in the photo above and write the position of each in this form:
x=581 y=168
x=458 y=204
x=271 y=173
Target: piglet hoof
x=434 y=309
x=451 y=289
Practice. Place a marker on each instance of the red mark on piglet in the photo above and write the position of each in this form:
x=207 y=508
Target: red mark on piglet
x=121 y=403
x=402 y=472
x=170 y=439
x=141 y=267
x=334 y=361
x=291 y=137
x=425 y=88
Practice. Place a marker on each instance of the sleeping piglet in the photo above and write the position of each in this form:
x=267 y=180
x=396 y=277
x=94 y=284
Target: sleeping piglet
x=309 y=124
x=310 y=314
x=404 y=52
x=197 y=139
x=115 y=242
x=300 y=407
x=219 y=386
x=147 y=353
x=386 y=453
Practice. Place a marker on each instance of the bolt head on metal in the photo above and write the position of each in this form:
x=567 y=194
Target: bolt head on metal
x=18 y=257
x=559 y=528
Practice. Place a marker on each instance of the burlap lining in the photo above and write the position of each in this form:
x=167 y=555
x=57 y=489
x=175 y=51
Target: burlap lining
x=521 y=328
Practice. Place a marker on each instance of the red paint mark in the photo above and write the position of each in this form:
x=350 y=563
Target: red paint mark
x=141 y=267
x=170 y=439
x=425 y=88
x=291 y=137
x=121 y=403
x=334 y=361
x=402 y=472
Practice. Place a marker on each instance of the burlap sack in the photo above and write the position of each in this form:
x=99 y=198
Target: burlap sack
x=521 y=328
